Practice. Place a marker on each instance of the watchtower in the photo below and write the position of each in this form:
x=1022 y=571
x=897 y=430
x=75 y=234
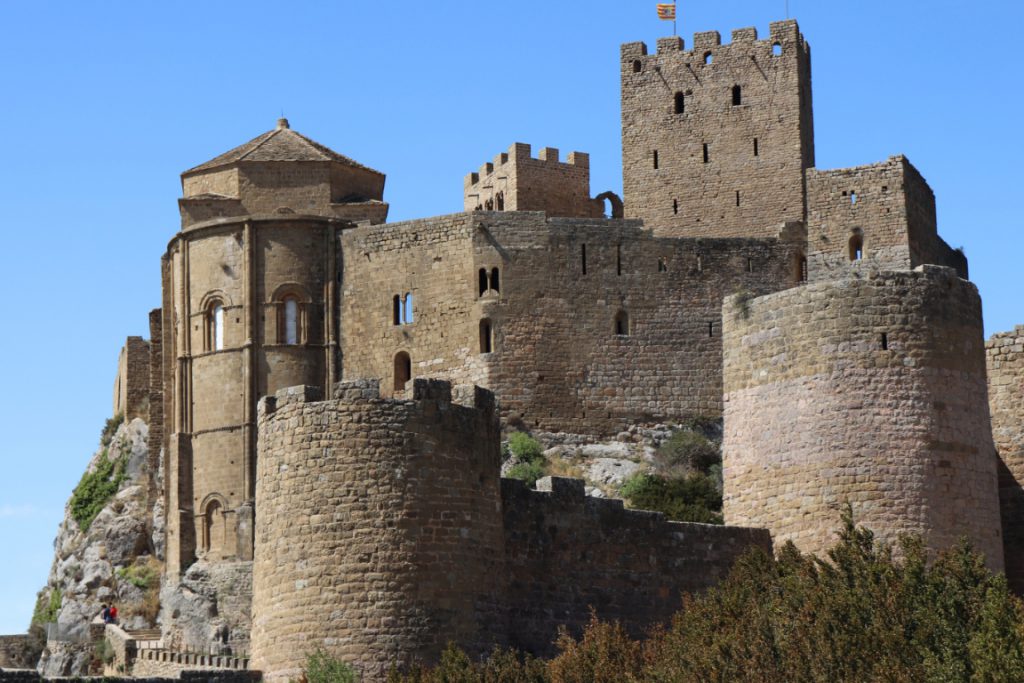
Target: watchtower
x=716 y=139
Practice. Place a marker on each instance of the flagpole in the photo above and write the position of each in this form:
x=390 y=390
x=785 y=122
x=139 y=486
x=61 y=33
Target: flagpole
x=674 y=15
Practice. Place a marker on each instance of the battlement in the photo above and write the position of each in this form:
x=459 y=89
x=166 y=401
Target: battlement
x=781 y=33
x=518 y=181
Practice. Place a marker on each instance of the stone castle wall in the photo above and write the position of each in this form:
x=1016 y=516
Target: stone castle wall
x=132 y=385
x=594 y=325
x=16 y=653
x=868 y=391
x=1005 y=353
x=380 y=534
x=886 y=210
x=568 y=553
x=698 y=163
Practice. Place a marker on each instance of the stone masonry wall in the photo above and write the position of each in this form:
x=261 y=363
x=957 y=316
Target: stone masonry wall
x=558 y=359
x=1005 y=353
x=380 y=535
x=887 y=209
x=518 y=182
x=698 y=164
x=131 y=387
x=868 y=391
x=16 y=653
x=568 y=553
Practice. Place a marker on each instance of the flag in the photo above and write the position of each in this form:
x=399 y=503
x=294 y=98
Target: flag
x=667 y=11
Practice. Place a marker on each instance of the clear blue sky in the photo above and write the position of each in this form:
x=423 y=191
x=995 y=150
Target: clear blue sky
x=104 y=104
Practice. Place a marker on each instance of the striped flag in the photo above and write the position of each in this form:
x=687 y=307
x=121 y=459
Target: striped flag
x=667 y=11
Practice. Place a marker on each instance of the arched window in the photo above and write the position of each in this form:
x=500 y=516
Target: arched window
x=291 y=320
x=800 y=268
x=215 y=326
x=776 y=49
x=486 y=336
x=396 y=310
x=622 y=323
x=500 y=199
x=709 y=58
x=680 y=103
x=403 y=370
x=214 y=528
x=407 y=308
x=495 y=281
x=482 y=284
x=737 y=95
x=856 y=248
x=637 y=66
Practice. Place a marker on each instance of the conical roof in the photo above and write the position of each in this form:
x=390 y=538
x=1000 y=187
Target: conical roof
x=280 y=144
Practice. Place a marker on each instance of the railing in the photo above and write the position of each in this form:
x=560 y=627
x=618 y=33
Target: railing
x=192 y=659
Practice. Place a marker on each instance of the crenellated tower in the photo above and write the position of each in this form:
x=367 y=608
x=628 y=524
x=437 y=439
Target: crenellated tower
x=716 y=139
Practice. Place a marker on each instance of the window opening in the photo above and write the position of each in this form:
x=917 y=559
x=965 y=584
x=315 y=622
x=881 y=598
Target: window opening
x=885 y=341
x=856 y=248
x=853 y=197
x=655 y=159
x=486 y=336
x=756 y=150
x=707 y=153
x=583 y=257
x=662 y=266
x=215 y=326
x=637 y=66
x=680 y=103
x=737 y=197
x=711 y=329
x=700 y=263
x=750 y=265
x=737 y=95
x=482 y=284
x=618 y=259
x=776 y=49
x=403 y=370
x=495 y=282
x=708 y=58
x=500 y=199
x=622 y=323
x=800 y=268
x=213 y=528
x=396 y=310
x=407 y=309
x=291 y=320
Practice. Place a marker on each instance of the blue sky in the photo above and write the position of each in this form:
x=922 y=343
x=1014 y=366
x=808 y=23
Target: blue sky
x=104 y=104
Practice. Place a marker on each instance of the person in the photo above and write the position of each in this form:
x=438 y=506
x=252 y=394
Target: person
x=105 y=614
x=113 y=614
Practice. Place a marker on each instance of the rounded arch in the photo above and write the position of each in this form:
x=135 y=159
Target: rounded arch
x=856 y=245
x=291 y=289
x=291 y=302
x=618 y=209
x=403 y=370
x=800 y=267
x=215 y=529
x=213 y=309
x=622 y=323
x=215 y=295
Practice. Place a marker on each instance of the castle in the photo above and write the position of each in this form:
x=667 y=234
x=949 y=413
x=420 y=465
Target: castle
x=328 y=390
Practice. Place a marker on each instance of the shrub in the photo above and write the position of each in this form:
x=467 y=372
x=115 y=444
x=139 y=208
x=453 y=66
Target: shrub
x=97 y=488
x=525 y=447
x=528 y=472
x=324 y=668
x=687 y=451
x=694 y=498
x=143 y=574
x=110 y=428
x=604 y=654
x=503 y=666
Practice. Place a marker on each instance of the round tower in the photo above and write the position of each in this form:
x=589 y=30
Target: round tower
x=1005 y=353
x=380 y=535
x=249 y=306
x=868 y=391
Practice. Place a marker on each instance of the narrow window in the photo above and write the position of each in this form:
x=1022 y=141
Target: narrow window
x=655 y=159
x=637 y=66
x=407 y=309
x=215 y=326
x=500 y=198
x=700 y=263
x=662 y=266
x=776 y=49
x=800 y=268
x=495 y=282
x=737 y=197
x=711 y=329
x=853 y=197
x=618 y=259
x=213 y=529
x=396 y=310
x=885 y=341
x=621 y=323
x=483 y=281
x=680 y=103
x=583 y=257
x=737 y=95
x=750 y=265
x=856 y=248
x=708 y=58
x=707 y=153
x=675 y=207
x=291 y=320
x=403 y=370
x=757 y=151
x=486 y=336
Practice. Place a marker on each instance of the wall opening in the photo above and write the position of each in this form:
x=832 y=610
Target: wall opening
x=737 y=95
x=482 y=281
x=583 y=257
x=750 y=265
x=700 y=263
x=500 y=201
x=407 y=316
x=757 y=151
x=618 y=259
x=214 y=529
x=776 y=49
x=709 y=58
x=675 y=207
x=637 y=66
x=856 y=248
x=680 y=103
x=655 y=159
x=707 y=153
x=885 y=341
x=737 y=197
x=291 y=320
x=403 y=370
x=495 y=280
x=215 y=326
x=486 y=336
x=800 y=268
x=853 y=197
x=711 y=329
x=396 y=310
x=662 y=265
x=622 y=323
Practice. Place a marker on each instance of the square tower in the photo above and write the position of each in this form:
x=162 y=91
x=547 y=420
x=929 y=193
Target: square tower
x=715 y=140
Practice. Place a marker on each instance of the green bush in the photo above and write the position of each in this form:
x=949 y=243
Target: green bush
x=324 y=668
x=142 y=574
x=110 y=428
x=694 y=498
x=528 y=472
x=97 y=488
x=503 y=666
x=687 y=451
x=525 y=447
x=48 y=605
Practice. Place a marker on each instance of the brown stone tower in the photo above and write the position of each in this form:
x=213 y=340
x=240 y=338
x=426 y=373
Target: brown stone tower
x=716 y=140
x=1005 y=353
x=249 y=301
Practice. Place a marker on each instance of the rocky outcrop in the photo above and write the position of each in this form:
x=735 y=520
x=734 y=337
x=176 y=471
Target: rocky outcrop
x=209 y=609
x=110 y=558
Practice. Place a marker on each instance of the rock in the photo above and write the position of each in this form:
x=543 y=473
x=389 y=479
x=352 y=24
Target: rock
x=611 y=471
x=606 y=450
x=625 y=437
x=209 y=608
x=596 y=493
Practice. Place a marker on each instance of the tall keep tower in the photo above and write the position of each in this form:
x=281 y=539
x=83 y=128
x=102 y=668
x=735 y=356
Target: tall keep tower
x=716 y=140
x=249 y=306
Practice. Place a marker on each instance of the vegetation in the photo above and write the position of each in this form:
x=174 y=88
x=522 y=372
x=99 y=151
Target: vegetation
x=687 y=451
x=693 y=498
x=97 y=488
x=48 y=604
x=144 y=574
x=503 y=666
x=529 y=454
x=110 y=428
x=860 y=615
x=324 y=668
